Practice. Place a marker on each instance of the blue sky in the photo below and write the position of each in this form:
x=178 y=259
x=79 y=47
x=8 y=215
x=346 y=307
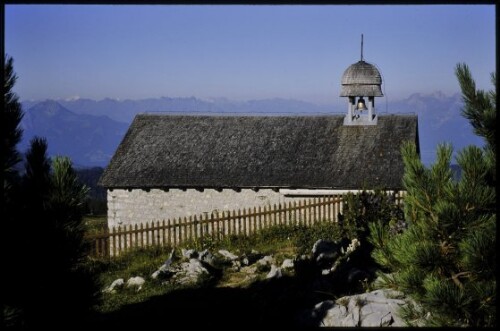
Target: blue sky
x=242 y=51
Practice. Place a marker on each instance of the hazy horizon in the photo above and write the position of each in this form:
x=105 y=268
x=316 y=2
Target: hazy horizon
x=340 y=100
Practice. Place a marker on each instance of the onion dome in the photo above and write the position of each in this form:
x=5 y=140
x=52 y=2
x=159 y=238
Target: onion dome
x=361 y=79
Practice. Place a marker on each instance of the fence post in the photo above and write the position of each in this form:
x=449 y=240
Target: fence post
x=153 y=240
x=212 y=226
x=183 y=230
x=246 y=221
x=239 y=222
x=279 y=214
x=314 y=212
x=263 y=217
x=234 y=221
x=244 y=227
x=329 y=209
x=254 y=223
x=201 y=231
x=106 y=243
x=174 y=232
x=163 y=241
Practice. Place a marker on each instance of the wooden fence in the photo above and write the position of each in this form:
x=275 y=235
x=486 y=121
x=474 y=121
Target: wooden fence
x=114 y=241
x=246 y=221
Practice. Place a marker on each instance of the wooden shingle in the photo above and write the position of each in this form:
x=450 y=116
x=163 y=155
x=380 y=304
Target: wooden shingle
x=175 y=151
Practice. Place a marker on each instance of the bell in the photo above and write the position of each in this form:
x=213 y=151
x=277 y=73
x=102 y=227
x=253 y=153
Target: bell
x=361 y=104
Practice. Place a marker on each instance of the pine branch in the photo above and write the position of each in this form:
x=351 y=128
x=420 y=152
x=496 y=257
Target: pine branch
x=478 y=108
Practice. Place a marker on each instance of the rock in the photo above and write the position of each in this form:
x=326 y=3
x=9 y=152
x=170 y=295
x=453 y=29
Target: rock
x=163 y=272
x=374 y=309
x=249 y=259
x=319 y=310
x=189 y=253
x=190 y=272
x=236 y=265
x=194 y=267
x=228 y=255
x=117 y=283
x=321 y=246
x=156 y=274
x=274 y=273
x=355 y=243
x=287 y=264
x=250 y=270
x=170 y=259
x=245 y=261
x=135 y=282
x=324 y=251
x=266 y=260
x=207 y=257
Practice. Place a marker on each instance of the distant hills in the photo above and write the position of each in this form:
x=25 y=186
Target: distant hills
x=439 y=120
x=89 y=131
x=88 y=140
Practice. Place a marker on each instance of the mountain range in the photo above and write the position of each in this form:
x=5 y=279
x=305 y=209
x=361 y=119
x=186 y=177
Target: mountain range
x=89 y=131
x=89 y=140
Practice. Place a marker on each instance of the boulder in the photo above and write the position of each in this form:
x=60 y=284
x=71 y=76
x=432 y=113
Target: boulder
x=266 y=260
x=250 y=270
x=136 y=282
x=190 y=272
x=274 y=273
x=287 y=264
x=117 y=283
x=166 y=270
x=236 y=265
x=228 y=255
x=355 y=243
x=251 y=258
x=325 y=252
x=325 y=272
x=245 y=261
x=207 y=257
x=189 y=253
x=374 y=309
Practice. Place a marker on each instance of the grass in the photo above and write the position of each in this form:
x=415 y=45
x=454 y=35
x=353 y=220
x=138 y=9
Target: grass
x=297 y=239
x=260 y=296
x=95 y=223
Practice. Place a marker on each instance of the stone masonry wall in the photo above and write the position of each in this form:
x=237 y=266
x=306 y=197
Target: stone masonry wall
x=138 y=206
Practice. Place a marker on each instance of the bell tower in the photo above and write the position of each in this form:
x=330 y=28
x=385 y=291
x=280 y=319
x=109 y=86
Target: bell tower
x=361 y=80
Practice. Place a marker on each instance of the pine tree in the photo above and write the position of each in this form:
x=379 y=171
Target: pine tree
x=46 y=282
x=32 y=221
x=36 y=180
x=11 y=132
x=479 y=106
x=65 y=209
x=481 y=110
x=53 y=244
x=446 y=259
x=66 y=247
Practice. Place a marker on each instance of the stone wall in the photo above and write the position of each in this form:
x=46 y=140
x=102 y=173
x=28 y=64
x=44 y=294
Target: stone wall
x=138 y=206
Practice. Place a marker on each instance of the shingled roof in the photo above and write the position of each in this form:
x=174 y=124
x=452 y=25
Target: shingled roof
x=175 y=151
x=361 y=79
